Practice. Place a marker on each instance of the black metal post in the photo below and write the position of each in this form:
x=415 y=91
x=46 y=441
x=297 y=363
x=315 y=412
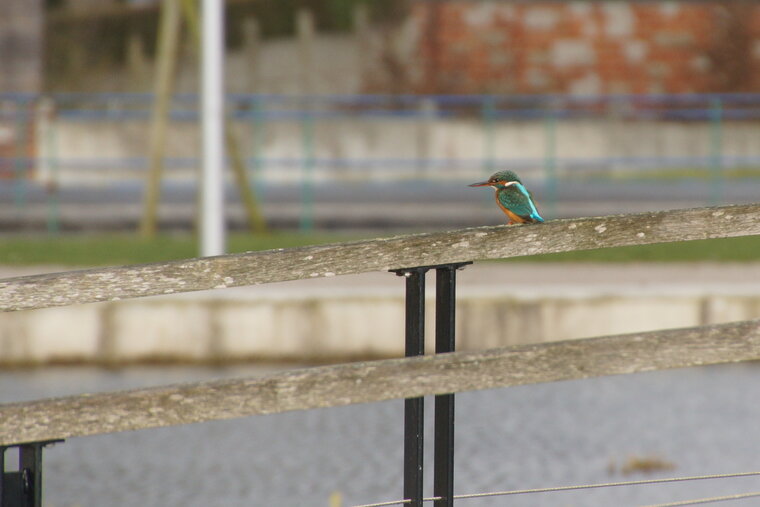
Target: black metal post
x=23 y=488
x=444 y=404
x=3 y=489
x=30 y=461
x=414 y=414
x=445 y=301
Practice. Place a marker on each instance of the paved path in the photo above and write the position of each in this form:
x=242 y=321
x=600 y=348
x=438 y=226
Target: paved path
x=361 y=316
x=361 y=205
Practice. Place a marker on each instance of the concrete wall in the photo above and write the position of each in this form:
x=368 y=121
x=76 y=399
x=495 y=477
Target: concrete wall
x=330 y=64
x=234 y=325
x=78 y=145
x=21 y=25
x=460 y=46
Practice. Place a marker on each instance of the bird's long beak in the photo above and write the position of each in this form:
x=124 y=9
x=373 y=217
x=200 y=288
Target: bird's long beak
x=480 y=184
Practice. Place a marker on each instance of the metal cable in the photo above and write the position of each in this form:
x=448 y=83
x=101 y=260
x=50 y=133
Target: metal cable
x=592 y=486
x=608 y=485
x=398 y=502
x=382 y=504
x=696 y=501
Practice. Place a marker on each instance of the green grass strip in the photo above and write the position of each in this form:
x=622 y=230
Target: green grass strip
x=744 y=249
x=119 y=249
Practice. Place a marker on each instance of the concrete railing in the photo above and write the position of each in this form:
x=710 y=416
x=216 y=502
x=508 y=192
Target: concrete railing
x=377 y=380
x=331 y=386
x=463 y=245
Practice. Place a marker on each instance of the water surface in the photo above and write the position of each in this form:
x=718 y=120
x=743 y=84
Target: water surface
x=701 y=420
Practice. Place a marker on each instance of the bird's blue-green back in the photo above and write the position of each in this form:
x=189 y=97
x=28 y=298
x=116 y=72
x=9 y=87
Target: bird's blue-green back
x=519 y=201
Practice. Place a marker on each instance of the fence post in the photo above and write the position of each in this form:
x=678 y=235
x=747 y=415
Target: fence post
x=443 y=474
x=488 y=112
x=251 y=52
x=258 y=131
x=716 y=151
x=362 y=39
x=426 y=114
x=305 y=31
x=550 y=158
x=47 y=159
x=23 y=488
x=307 y=167
x=445 y=341
x=20 y=169
x=414 y=414
x=137 y=63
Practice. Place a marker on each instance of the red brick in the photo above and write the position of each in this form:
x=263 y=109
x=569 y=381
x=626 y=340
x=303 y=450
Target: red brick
x=465 y=55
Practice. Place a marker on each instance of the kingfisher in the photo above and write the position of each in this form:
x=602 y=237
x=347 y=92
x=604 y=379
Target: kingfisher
x=512 y=197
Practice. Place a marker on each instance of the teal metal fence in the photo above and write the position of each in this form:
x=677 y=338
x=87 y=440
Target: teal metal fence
x=31 y=151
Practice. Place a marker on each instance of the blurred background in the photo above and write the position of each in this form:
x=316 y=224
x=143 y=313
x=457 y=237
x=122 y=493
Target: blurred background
x=350 y=119
x=384 y=108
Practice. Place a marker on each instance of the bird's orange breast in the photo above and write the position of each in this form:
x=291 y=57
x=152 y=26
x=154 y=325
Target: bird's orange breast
x=514 y=218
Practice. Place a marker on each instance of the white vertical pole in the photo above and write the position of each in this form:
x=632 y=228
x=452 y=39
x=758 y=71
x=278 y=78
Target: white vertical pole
x=212 y=128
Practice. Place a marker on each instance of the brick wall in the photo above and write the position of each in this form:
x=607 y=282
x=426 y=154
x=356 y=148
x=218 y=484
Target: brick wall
x=586 y=47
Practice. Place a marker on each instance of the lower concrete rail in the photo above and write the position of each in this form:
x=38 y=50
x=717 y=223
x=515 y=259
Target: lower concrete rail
x=364 y=382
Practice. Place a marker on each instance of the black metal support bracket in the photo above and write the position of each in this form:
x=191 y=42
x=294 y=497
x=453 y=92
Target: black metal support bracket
x=443 y=477
x=23 y=487
x=414 y=408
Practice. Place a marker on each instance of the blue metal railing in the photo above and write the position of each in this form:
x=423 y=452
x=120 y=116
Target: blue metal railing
x=137 y=105
x=20 y=111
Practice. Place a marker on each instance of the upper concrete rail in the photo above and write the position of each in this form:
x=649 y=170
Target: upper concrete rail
x=251 y=268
